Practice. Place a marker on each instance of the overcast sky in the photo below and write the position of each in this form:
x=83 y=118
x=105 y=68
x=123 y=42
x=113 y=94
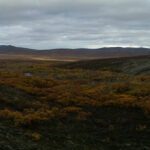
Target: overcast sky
x=44 y=24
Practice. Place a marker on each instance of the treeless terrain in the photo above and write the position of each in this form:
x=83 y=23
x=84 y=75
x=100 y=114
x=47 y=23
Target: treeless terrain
x=82 y=105
x=12 y=52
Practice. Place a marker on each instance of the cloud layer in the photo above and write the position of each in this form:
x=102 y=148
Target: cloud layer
x=46 y=24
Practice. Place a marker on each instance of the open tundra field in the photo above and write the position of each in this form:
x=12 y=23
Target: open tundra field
x=84 y=105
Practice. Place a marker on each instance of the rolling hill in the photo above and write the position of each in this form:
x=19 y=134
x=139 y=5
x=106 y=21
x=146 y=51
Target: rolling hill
x=12 y=52
x=132 y=65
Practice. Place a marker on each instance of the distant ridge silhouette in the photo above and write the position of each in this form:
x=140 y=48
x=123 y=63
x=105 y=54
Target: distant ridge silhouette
x=9 y=51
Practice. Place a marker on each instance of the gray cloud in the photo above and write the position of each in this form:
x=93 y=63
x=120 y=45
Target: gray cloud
x=46 y=24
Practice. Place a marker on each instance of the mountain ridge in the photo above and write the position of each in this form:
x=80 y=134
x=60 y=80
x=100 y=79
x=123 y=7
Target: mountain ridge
x=73 y=54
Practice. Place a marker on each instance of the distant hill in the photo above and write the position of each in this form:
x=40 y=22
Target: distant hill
x=8 y=51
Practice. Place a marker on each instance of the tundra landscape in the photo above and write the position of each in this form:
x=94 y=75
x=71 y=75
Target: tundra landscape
x=74 y=75
x=80 y=105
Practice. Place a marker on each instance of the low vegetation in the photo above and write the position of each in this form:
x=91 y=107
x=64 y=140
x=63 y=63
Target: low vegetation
x=100 y=104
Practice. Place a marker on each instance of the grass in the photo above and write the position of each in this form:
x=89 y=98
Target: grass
x=97 y=104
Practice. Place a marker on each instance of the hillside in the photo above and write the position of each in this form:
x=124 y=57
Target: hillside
x=94 y=104
x=132 y=65
x=12 y=52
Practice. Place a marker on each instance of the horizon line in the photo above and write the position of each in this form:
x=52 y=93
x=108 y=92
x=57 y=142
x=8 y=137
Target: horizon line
x=100 y=47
